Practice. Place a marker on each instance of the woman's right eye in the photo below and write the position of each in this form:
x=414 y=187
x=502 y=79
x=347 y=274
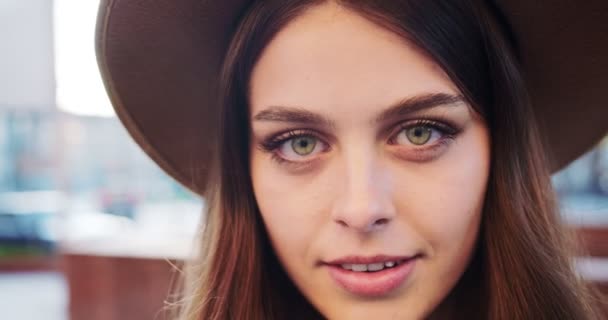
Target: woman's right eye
x=300 y=148
x=294 y=146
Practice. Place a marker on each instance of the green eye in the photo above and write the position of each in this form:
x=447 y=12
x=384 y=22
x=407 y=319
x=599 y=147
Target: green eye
x=419 y=135
x=303 y=145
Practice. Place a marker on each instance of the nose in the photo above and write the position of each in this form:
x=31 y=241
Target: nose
x=364 y=202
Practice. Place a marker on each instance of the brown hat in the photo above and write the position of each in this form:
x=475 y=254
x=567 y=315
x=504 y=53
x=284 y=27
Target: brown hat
x=160 y=61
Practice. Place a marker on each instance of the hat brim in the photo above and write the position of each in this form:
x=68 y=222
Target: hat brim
x=160 y=62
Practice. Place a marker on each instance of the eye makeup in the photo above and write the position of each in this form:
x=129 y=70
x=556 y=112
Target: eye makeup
x=274 y=143
x=442 y=135
x=443 y=130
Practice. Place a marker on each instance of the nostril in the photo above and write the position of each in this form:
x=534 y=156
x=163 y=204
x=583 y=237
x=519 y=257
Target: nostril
x=382 y=221
x=369 y=226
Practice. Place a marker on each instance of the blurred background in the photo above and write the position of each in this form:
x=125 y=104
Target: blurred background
x=89 y=226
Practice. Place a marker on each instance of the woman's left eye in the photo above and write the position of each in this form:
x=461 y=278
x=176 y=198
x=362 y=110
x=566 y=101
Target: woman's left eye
x=422 y=133
x=419 y=135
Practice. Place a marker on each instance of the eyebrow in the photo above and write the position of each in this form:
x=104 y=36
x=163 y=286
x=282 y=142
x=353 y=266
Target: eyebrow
x=293 y=115
x=402 y=108
x=419 y=103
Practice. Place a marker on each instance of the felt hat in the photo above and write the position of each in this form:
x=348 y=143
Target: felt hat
x=161 y=60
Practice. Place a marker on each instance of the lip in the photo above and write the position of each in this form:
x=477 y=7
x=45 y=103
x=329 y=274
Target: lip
x=371 y=284
x=368 y=260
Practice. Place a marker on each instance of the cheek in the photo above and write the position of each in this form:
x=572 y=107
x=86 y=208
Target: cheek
x=451 y=205
x=291 y=209
x=451 y=196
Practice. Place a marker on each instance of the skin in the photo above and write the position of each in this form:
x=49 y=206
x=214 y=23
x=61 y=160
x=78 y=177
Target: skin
x=365 y=188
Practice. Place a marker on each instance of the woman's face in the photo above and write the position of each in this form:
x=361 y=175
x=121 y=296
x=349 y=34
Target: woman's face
x=368 y=167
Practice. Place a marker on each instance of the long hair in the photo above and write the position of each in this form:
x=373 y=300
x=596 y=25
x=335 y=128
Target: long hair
x=522 y=267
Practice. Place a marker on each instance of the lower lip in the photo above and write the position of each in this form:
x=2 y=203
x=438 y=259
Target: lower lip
x=372 y=284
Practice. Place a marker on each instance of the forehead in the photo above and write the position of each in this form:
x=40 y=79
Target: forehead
x=331 y=58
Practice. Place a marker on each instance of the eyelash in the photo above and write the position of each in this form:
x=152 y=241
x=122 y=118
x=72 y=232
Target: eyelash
x=275 y=142
x=447 y=130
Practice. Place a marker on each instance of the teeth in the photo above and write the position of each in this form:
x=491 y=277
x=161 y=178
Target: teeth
x=359 y=267
x=375 y=266
x=369 y=267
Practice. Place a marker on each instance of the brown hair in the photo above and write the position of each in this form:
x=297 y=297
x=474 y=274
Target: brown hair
x=521 y=268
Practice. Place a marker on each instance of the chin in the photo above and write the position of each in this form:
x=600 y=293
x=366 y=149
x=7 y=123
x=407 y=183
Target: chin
x=377 y=309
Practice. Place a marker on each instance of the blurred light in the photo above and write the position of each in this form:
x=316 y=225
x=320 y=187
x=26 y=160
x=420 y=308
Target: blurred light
x=27 y=79
x=79 y=86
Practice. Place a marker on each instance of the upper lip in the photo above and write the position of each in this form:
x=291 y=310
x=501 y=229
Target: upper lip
x=369 y=259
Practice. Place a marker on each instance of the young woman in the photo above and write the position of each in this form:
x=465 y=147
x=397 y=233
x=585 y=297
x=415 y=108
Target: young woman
x=367 y=159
